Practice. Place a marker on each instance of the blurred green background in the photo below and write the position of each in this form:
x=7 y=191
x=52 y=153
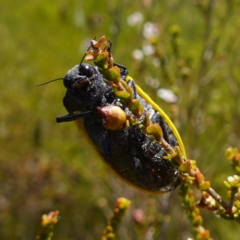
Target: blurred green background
x=46 y=166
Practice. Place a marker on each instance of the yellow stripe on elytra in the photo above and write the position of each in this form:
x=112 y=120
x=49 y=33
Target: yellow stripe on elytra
x=162 y=113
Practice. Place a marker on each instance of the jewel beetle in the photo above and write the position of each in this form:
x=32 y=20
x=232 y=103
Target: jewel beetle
x=120 y=121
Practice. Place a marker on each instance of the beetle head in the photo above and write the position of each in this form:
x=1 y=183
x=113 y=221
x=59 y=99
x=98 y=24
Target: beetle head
x=79 y=78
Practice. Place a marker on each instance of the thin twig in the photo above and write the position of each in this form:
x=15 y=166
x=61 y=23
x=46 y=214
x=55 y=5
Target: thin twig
x=219 y=199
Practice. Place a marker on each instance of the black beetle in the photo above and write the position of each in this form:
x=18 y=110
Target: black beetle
x=128 y=151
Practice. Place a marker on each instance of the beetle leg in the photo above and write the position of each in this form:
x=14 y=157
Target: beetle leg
x=120 y=66
x=72 y=116
x=132 y=84
x=123 y=70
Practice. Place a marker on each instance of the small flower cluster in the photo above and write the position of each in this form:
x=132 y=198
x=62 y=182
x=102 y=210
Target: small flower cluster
x=236 y=209
x=193 y=213
x=208 y=202
x=47 y=225
x=232 y=182
x=100 y=54
x=121 y=206
x=233 y=155
x=193 y=175
x=210 y=199
x=233 y=185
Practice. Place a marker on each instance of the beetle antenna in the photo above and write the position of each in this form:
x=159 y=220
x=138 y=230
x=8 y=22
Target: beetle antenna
x=85 y=53
x=50 y=81
x=83 y=58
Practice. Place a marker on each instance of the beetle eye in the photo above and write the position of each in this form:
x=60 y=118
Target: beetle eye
x=86 y=70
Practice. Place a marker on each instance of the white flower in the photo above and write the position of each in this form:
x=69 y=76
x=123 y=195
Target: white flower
x=230 y=179
x=150 y=30
x=236 y=177
x=148 y=50
x=167 y=95
x=137 y=55
x=135 y=19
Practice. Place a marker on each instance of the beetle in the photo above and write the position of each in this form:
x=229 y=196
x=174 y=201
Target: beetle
x=102 y=111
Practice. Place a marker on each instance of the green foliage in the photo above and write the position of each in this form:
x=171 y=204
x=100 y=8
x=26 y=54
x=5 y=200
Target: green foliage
x=45 y=166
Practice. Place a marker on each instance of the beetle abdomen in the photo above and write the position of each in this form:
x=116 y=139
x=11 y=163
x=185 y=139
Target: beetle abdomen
x=134 y=157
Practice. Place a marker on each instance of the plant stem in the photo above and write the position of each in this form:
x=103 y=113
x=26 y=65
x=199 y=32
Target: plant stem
x=219 y=199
